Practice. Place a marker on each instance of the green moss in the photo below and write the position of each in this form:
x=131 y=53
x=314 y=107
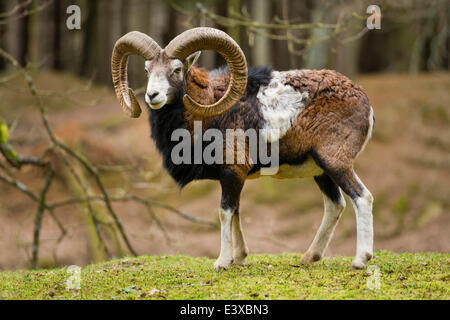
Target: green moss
x=401 y=276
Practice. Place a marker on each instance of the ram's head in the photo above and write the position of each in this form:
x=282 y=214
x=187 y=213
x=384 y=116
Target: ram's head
x=166 y=68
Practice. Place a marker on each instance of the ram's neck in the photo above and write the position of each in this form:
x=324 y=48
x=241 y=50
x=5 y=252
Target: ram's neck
x=198 y=86
x=163 y=123
x=205 y=88
x=166 y=120
x=174 y=116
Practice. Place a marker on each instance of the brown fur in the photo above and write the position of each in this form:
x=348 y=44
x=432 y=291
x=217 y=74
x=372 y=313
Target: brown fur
x=335 y=122
x=206 y=88
x=220 y=84
x=198 y=86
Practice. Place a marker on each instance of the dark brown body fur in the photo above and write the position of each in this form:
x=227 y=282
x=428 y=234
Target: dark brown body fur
x=332 y=127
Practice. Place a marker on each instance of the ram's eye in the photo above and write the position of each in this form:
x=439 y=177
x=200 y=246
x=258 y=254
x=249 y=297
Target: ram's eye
x=177 y=70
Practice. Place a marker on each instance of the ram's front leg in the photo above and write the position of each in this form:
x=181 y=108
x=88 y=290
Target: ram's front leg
x=232 y=184
x=225 y=257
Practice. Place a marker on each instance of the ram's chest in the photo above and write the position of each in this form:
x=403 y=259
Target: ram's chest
x=280 y=105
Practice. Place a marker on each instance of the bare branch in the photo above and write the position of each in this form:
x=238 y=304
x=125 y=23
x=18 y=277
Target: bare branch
x=95 y=220
x=146 y=202
x=39 y=216
x=67 y=154
x=90 y=168
x=9 y=17
x=16 y=9
x=24 y=189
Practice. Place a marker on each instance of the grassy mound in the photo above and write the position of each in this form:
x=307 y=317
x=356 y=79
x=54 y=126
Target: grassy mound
x=391 y=276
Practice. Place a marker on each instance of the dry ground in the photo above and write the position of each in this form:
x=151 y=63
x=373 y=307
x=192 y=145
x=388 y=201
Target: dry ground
x=406 y=166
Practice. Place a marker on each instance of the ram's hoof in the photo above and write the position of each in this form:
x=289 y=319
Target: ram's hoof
x=239 y=261
x=239 y=257
x=222 y=264
x=309 y=258
x=361 y=262
x=358 y=265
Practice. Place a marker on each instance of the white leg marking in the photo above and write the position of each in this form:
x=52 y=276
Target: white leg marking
x=225 y=259
x=364 y=228
x=330 y=219
x=240 y=249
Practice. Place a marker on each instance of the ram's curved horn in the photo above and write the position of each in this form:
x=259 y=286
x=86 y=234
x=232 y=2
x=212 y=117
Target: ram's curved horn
x=198 y=39
x=133 y=42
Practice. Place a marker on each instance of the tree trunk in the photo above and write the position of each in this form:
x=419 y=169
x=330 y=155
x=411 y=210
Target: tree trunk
x=261 y=50
x=18 y=35
x=57 y=56
x=105 y=46
x=137 y=20
x=318 y=54
x=208 y=58
x=3 y=33
x=347 y=54
x=234 y=6
x=90 y=41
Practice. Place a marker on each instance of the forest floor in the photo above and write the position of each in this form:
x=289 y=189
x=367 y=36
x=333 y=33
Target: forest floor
x=390 y=276
x=406 y=166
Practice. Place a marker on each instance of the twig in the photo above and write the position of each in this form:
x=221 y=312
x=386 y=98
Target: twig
x=24 y=189
x=93 y=171
x=90 y=168
x=67 y=154
x=16 y=8
x=39 y=216
x=230 y=22
x=159 y=224
x=146 y=202
x=9 y=17
x=90 y=210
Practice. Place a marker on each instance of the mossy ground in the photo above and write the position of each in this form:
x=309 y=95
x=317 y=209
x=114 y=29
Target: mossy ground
x=401 y=276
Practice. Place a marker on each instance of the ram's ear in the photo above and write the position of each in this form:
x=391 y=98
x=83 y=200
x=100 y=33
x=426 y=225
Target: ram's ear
x=190 y=61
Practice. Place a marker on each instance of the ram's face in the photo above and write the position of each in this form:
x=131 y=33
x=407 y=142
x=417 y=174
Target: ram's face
x=167 y=67
x=165 y=78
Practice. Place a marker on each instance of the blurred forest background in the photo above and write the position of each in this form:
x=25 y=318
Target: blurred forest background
x=80 y=182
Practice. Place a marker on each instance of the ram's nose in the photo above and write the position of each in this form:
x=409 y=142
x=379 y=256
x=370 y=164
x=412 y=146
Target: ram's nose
x=153 y=95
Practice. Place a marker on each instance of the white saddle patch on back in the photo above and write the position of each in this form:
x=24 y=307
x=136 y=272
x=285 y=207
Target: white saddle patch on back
x=280 y=105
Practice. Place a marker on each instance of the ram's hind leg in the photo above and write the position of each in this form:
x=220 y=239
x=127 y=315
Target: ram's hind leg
x=334 y=204
x=362 y=204
x=348 y=181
